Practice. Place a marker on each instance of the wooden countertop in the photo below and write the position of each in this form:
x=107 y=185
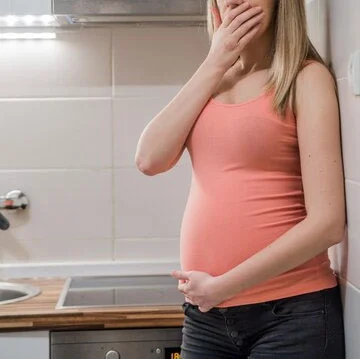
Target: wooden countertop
x=39 y=313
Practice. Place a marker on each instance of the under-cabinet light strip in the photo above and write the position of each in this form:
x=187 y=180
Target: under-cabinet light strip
x=27 y=20
x=27 y=35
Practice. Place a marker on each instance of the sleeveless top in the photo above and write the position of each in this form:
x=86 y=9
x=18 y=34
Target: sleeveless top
x=246 y=191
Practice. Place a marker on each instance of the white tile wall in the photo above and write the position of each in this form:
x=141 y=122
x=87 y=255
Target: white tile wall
x=72 y=111
x=323 y=44
x=350 y=112
x=345 y=255
x=344 y=30
x=351 y=297
x=141 y=249
x=353 y=206
x=65 y=205
x=317 y=25
x=55 y=251
x=344 y=38
x=76 y=64
x=312 y=16
x=157 y=61
x=56 y=133
x=150 y=206
x=131 y=115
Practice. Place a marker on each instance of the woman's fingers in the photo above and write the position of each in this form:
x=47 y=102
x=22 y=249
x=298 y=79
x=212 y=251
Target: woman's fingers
x=237 y=26
x=244 y=17
x=231 y=14
x=184 y=287
x=244 y=28
x=232 y=3
x=217 y=17
x=248 y=36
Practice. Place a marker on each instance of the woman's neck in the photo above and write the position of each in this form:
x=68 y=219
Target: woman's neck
x=257 y=55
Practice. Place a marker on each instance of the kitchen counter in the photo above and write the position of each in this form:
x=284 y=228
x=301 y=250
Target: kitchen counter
x=39 y=313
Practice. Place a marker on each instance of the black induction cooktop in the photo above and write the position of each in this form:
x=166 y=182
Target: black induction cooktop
x=124 y=291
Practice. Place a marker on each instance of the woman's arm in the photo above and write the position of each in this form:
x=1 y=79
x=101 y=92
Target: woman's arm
x=322 y=174
x=162 y=141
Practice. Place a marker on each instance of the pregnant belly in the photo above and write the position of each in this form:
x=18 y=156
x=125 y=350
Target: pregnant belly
x=215 y=239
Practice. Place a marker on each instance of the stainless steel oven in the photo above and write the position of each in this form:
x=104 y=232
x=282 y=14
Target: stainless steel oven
x=149 y=343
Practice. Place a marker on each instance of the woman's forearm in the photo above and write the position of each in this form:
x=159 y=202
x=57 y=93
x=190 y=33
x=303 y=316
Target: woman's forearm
x=164 y=136
x=295 y=247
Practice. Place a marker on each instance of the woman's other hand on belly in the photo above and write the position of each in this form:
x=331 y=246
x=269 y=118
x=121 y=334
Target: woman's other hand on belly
x=200 y=288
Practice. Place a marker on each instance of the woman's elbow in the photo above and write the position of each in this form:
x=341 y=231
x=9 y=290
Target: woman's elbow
x=145 y=167
x=336 y=231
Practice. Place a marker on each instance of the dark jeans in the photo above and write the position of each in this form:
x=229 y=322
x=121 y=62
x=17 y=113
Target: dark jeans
x=306 y=326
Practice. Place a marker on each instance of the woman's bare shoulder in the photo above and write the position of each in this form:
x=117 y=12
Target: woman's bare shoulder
x=313 y=82
x=312 y=72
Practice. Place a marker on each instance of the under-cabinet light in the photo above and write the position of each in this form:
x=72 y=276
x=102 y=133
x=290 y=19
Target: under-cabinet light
x=27 y=20
x=27 y=35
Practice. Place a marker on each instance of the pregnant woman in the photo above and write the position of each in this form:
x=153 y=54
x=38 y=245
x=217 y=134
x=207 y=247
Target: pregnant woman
x=260 y=121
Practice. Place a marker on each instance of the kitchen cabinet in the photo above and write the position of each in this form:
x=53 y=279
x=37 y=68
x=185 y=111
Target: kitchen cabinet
x=35 y=328
x=29 y=345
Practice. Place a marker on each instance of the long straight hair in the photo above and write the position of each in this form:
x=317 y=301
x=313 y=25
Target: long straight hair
x=291 y=48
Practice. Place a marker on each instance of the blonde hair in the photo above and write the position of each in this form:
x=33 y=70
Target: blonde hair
x=291 y=48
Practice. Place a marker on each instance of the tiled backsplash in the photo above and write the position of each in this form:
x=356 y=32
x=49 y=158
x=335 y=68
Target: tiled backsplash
x=72 y=111
x=76 y=64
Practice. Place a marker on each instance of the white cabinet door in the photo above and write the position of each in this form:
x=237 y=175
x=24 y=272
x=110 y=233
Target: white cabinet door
x=29 y=345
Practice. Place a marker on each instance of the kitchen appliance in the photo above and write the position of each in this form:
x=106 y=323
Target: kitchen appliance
x=52 y=14
x=153 y=343
x=128 y=291
x=129 y=11
x=119 y=291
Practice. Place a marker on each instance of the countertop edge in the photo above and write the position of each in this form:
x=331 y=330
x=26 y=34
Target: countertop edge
x=40 y=313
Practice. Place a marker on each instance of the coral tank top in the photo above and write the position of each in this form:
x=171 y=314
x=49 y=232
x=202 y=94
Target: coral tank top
x=246 y=191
